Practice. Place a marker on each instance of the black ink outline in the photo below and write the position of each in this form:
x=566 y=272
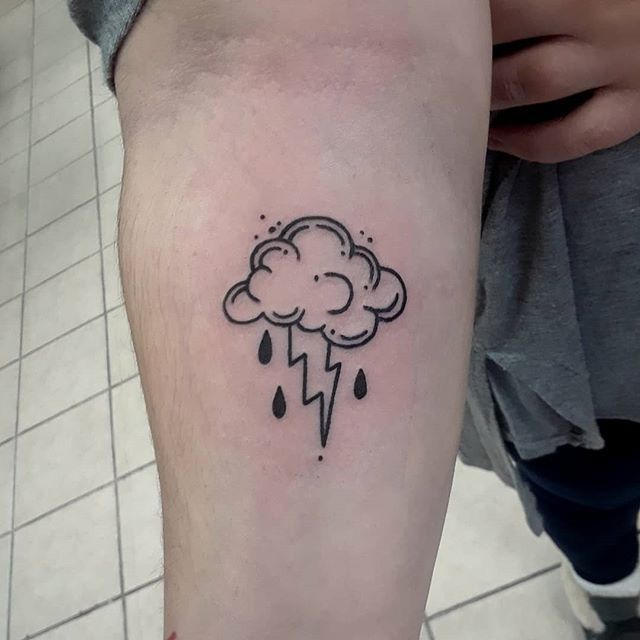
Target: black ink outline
x=325 y=418
x=287 y=236
x=288 y=317
x=347 y=304
x=284 y=242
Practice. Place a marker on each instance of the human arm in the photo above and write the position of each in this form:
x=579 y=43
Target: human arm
x=375 y=115
x=578 y=62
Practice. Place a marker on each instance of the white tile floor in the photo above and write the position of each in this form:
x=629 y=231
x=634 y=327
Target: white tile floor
x=80 y=539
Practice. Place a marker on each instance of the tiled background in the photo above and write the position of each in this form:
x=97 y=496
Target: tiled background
x=80 y=550
x=80 y=530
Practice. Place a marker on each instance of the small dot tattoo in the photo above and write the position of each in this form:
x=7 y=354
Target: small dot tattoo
x=262 y=217
x=316 y=278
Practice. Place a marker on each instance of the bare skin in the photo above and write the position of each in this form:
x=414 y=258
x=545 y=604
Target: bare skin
x=589 y=48
x=376 y=116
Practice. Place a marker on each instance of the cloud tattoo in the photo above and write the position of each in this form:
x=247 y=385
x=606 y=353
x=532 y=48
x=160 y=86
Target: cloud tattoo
x=314 y=276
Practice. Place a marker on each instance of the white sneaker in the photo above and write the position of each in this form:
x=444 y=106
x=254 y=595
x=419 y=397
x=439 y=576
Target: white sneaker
x=602 y=617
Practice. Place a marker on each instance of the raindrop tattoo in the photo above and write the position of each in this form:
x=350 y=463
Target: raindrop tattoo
x=312 y=277
x=265 y=350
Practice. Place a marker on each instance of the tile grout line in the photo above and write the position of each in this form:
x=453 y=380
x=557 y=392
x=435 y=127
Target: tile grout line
x=8 y=11
x=15 y=361
x=38 y=284
x=53 y=95
x=427 y=626
x=4 y=303
x=40 y=16
x=93 y=149
x=62 y=126
x=10 y=363
x=66 y=166
x=17 y=116
x=60 y=217
x=33 y=40
x=17 y=153
x=77 y=263
x=97 y=606
x=56 y=36
x=47 y=224
x=45 y=12
x=12 y=87
x=13 y=245
x=3 y=95
x=62 y=168
x=24 y=280
x=64 y=87
x=21 y=115
x=84 y=323
x=106 y=333
x=93 y=396
x=82 y=496
x=46 y=177
x=65 y=333
x=57 y=92
x=492 y=592
x=53 y=63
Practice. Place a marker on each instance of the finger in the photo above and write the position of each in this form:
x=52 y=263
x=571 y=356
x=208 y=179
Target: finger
x=522 y=19
x=609 y=118
x=547 y=71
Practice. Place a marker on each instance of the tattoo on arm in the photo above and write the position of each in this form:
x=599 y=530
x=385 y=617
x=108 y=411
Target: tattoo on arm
x=311 y=276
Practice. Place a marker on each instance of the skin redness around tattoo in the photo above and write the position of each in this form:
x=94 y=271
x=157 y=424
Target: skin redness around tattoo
x=312 y=277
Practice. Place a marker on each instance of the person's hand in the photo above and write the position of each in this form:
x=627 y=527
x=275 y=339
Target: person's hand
x=586 y=52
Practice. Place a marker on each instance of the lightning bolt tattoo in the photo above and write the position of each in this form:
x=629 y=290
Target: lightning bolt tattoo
x=324 y=396
x=310 y=276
